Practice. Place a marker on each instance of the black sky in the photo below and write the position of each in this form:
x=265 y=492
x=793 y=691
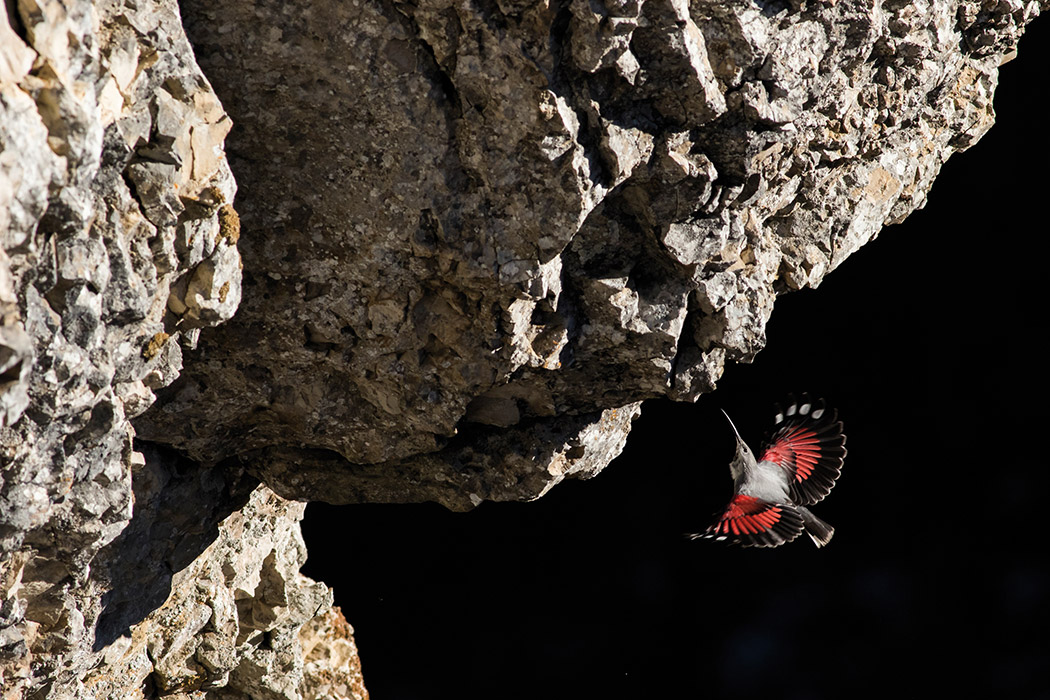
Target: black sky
x=930 y=341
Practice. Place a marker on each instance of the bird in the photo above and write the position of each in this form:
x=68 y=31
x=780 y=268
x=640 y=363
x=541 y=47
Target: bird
x=801 y=460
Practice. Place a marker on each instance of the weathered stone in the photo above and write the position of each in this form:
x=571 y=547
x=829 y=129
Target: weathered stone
x=332 y=668
x=16 y=352
x=227 y=602
x=490 y=464
x=476 y=236
x=518 y=217
x=118 y=244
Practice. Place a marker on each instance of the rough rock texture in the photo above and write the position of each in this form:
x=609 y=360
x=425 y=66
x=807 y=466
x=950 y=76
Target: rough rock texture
x=332 y=668
x=477 y=229
x=232 y=625
x=476 y=236
x=118 y=245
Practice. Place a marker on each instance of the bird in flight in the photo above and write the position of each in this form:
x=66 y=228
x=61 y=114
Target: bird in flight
x=800 y=462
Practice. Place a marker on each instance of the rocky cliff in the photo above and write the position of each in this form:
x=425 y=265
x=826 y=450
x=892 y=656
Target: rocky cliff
x=395 y=252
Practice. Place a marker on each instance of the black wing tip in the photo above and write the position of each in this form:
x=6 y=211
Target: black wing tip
x=815 y=414
x=805 y=405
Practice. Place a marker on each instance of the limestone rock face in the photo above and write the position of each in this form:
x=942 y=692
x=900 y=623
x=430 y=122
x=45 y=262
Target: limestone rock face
x=230 y=618
x=475 y=238
x=477 y=230
x=117 y=245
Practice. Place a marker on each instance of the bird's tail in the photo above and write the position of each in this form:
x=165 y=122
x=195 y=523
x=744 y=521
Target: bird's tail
x=818 y=530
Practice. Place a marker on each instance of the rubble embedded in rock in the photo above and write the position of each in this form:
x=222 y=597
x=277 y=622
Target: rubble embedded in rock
x=473 y=226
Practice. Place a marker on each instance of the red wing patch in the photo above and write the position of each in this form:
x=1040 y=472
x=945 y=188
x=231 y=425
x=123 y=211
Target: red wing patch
x=752 y=522
x=809 y=444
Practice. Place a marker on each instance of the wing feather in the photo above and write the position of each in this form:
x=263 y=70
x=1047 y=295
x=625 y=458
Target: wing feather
x=753 y=522
x=808 y=442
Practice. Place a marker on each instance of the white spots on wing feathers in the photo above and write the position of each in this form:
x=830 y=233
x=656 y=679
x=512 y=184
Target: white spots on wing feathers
x=802 y=409
x=822 y=464
x=707 y=536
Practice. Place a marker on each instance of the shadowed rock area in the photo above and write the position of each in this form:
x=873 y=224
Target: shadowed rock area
x=395 y=252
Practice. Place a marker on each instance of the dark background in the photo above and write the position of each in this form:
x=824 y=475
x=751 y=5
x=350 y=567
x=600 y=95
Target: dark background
x=930 y=342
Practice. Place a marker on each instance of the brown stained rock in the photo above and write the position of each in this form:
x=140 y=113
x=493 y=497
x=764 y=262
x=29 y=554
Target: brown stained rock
x=229 y=225
x=154 y=345
x=332 y=667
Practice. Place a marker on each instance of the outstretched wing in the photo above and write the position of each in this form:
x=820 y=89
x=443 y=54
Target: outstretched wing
x=807 y=442
x=753 y=522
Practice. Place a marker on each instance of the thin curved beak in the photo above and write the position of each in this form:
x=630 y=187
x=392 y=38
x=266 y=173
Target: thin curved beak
x=731 y=425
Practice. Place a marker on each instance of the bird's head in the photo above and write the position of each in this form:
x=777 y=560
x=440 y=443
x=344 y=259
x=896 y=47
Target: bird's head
x=743 y=456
